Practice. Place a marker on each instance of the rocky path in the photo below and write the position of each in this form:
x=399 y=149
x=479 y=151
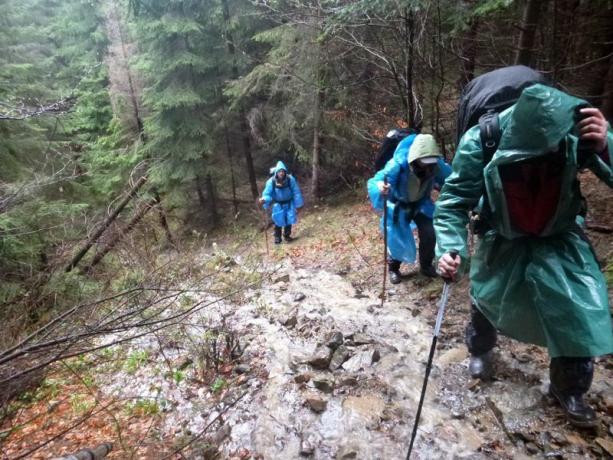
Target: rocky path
x=327 y=373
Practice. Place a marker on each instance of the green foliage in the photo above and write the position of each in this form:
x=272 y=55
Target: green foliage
x=143 y=408
x=219 y=384
x=135 y=360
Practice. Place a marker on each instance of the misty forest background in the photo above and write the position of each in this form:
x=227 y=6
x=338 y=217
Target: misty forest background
x=131 y=127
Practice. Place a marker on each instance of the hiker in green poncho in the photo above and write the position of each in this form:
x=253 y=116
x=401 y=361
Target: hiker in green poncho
x=534 y=276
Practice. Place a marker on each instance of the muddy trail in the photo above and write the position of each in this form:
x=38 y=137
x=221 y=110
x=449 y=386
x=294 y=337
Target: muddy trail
x=306 y=363
x=323 y=371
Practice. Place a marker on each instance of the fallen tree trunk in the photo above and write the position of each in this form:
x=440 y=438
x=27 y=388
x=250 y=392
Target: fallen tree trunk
x=96 y=453
x=107 y=222
x=123 y=232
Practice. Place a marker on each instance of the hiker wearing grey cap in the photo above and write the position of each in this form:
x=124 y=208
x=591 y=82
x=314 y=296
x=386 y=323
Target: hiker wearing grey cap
x=415 y=169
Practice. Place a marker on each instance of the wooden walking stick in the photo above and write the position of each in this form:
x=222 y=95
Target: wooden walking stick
x=384 y=243
x=263 y=213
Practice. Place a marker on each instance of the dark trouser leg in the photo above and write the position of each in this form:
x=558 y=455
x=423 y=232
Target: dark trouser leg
x=480 y=339
x=394 y=270
x=480 y=334
x=287 y=231
x=277 y=234
x=571 y=378
x=427 y=240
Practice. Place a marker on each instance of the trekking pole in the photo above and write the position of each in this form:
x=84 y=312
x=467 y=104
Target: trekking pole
x=263 y=213
x=384 y=243
x=437 y=328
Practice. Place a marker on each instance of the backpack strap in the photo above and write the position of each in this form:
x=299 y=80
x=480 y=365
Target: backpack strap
x=489 y=127
x=489 y=131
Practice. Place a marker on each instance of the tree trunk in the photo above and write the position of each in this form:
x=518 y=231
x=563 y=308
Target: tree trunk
x=124 y=231
x=115 y=20
x=107 y=222
x=231 y=162
x=607 y=95
x=244 y=127
x=409 y=22
x=162 y=217
x=528 y=31
x=201 y=197
x=468 y=54
x=602 y=45
x=316 y=146
x=317 y=122
x=211 y=201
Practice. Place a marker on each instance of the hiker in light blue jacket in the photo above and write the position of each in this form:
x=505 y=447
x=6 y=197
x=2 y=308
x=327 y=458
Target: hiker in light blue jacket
x=283 y=193
x=415 y=169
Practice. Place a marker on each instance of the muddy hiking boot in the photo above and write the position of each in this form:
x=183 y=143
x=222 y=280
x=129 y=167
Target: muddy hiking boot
x=428 y=271
x=481 y=366
x=570 y=380
x=395 y=277
x=393 y=266
x=287 y=231
x=278 y=234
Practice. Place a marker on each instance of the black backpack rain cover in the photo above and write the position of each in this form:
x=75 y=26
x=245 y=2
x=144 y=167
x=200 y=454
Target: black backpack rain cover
x=496 y=90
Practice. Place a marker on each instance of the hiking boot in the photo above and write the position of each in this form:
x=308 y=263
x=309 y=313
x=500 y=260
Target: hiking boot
x=428 y=271
x=277 y=240
x=481 y=367
x=288 y=239
x=395 y=276
x=570 y=381
x=577 y=411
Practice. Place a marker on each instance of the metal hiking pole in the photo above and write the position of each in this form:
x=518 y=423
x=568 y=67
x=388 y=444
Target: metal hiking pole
x=384 y=242
x=437 y=328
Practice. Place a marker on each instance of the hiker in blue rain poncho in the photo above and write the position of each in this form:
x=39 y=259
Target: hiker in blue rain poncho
x=534 y=276
x=415 y=169
x=283 y=193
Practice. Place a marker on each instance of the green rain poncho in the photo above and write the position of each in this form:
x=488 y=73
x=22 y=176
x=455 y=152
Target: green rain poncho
x=545 y=289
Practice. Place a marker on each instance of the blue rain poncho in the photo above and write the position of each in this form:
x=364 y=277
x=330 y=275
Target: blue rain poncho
x=401 y=207
x=285 y=198
x=546 y=289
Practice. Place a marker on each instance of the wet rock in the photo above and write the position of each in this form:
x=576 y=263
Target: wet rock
x=350 y=381
x=316 y=404
x=289 y=320
x=281 y=279
x=242 y=369
x=299 y=297
x=340 y=355
x=606 y=444
x=368 y=407
x=457 y=415
x=185 y=363
x=221 y=434
x=362 y=360
x=532 y=448
x=454 y=355
x=347 y=453
x=320 y=358
x=302 y=378
x=607 y=404
x=558 y=438
x=334 y=340
x=359 y=338
x=307 y=448
x=324 y=385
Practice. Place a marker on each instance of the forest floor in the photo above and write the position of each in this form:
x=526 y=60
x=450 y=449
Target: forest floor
x=303 y=361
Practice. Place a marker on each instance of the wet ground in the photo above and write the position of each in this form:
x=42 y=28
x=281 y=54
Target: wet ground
x=309 y=364
x=326 y=372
